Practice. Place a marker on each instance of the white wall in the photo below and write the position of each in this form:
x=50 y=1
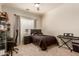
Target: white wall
x=12 y=23
x=0 y=8
x=64 y=19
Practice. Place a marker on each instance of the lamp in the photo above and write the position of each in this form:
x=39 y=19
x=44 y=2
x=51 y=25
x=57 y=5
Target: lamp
x=36 y=5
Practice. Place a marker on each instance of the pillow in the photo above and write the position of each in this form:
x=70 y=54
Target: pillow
x=35 y=33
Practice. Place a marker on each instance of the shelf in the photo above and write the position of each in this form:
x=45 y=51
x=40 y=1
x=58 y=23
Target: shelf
x=2 y=42
x=3 y=29
x=3 y=18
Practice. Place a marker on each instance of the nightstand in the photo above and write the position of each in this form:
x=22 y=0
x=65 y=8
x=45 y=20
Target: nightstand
x=27 y=40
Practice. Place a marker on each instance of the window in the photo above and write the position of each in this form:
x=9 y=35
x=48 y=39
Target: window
x=25 y=25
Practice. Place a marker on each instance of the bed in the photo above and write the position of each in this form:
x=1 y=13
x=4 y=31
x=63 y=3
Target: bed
x=43 y=41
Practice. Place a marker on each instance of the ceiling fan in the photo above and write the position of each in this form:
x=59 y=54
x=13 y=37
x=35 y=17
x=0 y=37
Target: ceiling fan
x=37 y=6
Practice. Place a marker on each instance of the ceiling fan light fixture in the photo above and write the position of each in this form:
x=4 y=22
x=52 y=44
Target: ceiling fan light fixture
x=36 y=5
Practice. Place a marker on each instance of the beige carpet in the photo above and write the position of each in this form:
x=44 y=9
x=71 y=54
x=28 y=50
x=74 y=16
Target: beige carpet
x=32 y=50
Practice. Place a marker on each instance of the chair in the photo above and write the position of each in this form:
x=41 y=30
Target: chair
x=11 y=43
x=68 y=36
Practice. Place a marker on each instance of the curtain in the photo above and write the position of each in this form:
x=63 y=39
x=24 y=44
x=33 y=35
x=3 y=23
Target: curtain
x=17 y=27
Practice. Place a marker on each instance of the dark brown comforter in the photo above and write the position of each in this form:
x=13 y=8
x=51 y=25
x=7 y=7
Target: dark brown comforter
x=43 y=41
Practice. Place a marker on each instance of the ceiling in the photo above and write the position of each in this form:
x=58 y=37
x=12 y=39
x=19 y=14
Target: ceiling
x=44 y=7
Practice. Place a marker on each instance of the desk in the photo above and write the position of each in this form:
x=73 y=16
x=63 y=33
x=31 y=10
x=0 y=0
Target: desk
x=66 y=37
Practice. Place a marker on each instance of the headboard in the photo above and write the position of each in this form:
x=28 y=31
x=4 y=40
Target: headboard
x=36 y=31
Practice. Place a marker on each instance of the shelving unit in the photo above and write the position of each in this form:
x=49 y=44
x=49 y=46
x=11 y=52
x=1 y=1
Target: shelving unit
x=3 y=29
x=2 y=35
